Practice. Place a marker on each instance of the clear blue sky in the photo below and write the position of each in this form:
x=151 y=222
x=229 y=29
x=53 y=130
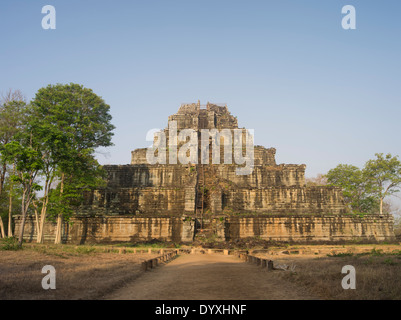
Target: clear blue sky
x=319 y=94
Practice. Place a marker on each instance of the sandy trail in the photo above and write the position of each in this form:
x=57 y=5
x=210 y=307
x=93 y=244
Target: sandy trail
x=209 y=277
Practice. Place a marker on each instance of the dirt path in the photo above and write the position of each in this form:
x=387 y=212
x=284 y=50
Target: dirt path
x=209 y=277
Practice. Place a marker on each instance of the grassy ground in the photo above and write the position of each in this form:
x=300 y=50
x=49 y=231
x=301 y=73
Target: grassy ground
x=90 y=272
x=82 y=272
x=377 y=271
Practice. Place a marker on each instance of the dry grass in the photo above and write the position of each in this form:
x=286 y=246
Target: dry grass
x=87 y=272
x=377 y=273
x=82 y=272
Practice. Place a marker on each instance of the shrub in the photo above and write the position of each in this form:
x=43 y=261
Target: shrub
x=343 y=254
x=10 y=243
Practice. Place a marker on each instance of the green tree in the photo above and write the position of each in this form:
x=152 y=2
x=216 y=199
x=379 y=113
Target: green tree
x=28 y=162
x=71 y=122
x=384 y=175
x=356 y=189
x=10 y=202
x=13 y=109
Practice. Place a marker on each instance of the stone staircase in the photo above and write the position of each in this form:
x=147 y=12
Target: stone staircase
x=206 y=234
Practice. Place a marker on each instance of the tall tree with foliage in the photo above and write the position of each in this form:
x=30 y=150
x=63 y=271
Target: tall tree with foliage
x=13 y=109
x=10 y=201
x=28 y=162
x=356 y=189
x=384 y=174
x=71 y=122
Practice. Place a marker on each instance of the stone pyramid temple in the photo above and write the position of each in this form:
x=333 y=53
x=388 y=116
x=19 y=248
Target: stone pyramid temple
x=199 y=189
x=203 y=180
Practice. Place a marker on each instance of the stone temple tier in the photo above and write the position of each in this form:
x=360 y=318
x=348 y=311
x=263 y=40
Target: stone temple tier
x=145 y=189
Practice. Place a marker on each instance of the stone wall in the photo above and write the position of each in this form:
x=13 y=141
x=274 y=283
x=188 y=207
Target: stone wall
x=263 y=176
x=319 y=229
x=111 y=229
x=157 y=176
x=172 y=189
x=144 y=189
x=285 y=200
x=295 y=228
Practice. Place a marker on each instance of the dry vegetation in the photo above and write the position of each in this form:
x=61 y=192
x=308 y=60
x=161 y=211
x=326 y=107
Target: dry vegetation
x=88 y=272
x=378 y=271
x=82 y=272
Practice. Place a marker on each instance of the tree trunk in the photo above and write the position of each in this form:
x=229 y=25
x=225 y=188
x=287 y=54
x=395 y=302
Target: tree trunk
x=58 y=231
x=36 y=220
x=26 y=200
x=57 y=240
x=21 y=231
x=39 y=238
x=10 y=207
x=2 y=177
x=381 y=206
x=22 y=225
x=3 y=233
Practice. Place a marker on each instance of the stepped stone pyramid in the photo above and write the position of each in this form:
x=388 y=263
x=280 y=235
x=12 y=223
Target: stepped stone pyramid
x=209 y=189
